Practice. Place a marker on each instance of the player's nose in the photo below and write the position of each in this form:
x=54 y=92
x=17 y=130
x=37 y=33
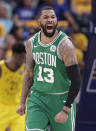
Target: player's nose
x=50 y=20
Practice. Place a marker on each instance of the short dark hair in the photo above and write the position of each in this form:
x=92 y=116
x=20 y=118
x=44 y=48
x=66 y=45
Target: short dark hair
x=45 y=8
x=18 y=48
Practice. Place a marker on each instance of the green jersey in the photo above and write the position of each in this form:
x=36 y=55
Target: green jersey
x=49 y=72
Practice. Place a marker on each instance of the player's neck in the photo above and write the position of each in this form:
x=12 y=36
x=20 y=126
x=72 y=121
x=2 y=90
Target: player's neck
x=46 y=40
x=11 y=65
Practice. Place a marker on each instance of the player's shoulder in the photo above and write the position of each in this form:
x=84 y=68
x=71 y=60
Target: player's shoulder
x=62 y=37
x=66 y=43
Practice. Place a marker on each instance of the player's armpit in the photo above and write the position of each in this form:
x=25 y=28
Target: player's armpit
x=66 y=52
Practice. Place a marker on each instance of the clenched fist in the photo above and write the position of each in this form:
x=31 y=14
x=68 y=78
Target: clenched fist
x=21 y=109
x=61 y=117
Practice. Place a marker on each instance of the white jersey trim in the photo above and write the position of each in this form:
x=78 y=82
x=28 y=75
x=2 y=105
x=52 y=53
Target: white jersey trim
x=46 y=45
x=59 y=93
x=34 y=129
x=32 y=40
x=72 y=118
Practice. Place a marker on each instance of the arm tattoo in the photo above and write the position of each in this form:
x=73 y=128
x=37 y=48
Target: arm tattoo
x=28 y=76
x=67 y=53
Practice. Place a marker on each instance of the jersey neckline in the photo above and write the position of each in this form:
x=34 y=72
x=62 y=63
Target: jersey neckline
x=46 y=45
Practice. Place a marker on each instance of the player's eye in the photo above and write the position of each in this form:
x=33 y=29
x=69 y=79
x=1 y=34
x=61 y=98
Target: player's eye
x=45 y=17
x=53 y=17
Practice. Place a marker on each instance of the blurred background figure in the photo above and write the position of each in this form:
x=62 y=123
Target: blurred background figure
x=32 y=31
x=11 y=77
x=4 y=19
x=18 y=33
x=10 y=41
x=24 y=13
x=81 y=10
x=8 y=7
x=81 y=7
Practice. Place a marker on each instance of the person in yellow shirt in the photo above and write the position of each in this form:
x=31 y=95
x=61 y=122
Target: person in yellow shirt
x=81 y=7
x=11 y=77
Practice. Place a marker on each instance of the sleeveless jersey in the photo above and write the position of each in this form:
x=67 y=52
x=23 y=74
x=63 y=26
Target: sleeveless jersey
x=10 y=84
x=49 y=72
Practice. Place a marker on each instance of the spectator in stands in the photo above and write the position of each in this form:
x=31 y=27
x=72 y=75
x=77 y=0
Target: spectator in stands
x=80 y=41
x=12 y=3
x=62 y=11
x=18 y=33
x=32 y=31
x=25 y=13
x=4 y=20
x=81 y=7
x=81 y=10
x=8 y=7
x=10 y=41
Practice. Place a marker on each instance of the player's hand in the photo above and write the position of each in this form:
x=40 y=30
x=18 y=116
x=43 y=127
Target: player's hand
x=61 y=117
x=21 y=109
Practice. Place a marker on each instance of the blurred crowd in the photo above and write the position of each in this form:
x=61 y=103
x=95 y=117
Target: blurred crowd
x=18 y=23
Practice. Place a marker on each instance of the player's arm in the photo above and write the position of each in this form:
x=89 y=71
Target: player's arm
x=70 y=60
x=28 y=75
x=28 y=78
x=67 y=54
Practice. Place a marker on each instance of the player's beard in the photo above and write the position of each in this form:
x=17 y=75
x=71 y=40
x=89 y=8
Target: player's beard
x=45 y=31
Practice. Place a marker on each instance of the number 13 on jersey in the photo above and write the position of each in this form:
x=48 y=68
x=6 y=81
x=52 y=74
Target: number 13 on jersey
x=50 y=75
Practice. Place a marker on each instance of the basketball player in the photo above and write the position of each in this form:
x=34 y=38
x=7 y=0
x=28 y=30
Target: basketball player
x=11 y=77
x=52 y=76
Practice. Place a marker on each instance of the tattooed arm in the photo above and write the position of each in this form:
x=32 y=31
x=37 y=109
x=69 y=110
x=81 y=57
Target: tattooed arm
x=69 y=57
x=28 y=78
x=67 y=54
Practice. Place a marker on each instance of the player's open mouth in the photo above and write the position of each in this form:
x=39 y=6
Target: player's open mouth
x=49 y=28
